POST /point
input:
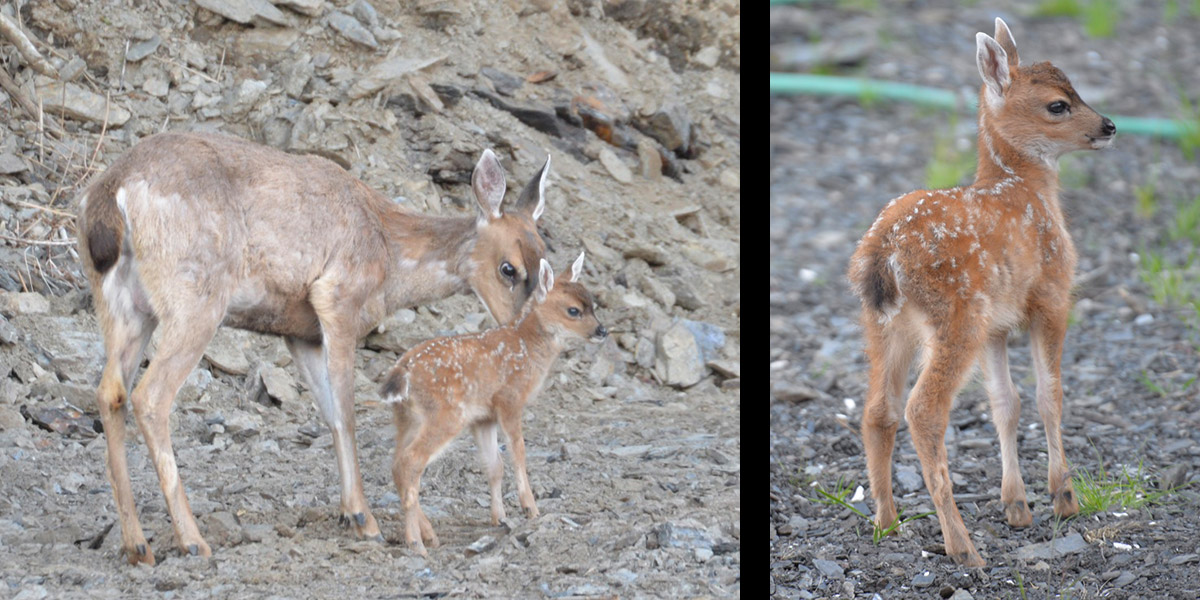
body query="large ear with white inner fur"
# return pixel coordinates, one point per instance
(545, 281)
(1005, 39)
(577, 268)
(487, 181)
(532, 200)
(992, 61)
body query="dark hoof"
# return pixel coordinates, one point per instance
(378, 538)
(193, 549)
(343, 520)
(141, 549)
(360, 518)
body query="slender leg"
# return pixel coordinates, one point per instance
(1006, 413)
(511, 422)
(182, 344)
(434, 433)
(955, 347)
(489, 456)
(328, 369)
(1047, 335)
(125, 338)
(891, 356)
(407, 427)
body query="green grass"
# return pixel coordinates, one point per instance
(1147, 198)
(837, 497)
(1166, 283)
(949, 166)
(1099, 17)
(1186, 225)
(1163, 390)
(1124, 491)
(1190, 140)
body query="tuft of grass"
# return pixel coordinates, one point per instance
(1127, 490)
(1187, 222)
(837, 497)
(1099, 17)
(1058, 8)
(1166, 283)
(1163, 390)
(1147, 198)
(1190, 140)
(949, 166)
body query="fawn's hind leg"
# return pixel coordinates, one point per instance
(489, 456)
(891, 354)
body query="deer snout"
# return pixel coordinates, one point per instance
(600, 333)
(1108, 126)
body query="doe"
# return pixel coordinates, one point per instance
(189, 231)
(444, 384)
(952, 272)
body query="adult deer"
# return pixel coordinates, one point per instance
(189, 231)
(954, 271)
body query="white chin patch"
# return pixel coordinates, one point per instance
(1102, 143)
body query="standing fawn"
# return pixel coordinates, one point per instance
(186, 232)
(952, 272)
(445, 384)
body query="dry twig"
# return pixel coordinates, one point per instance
(12, 31)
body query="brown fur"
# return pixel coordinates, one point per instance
(445, 384)
(216, 230)
(951, 272)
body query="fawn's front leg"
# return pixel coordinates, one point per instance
(1046, 335)
(1006, 413)
(511, 422)
(489, 456)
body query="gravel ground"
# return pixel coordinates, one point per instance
(1128, 361)
(633, 445)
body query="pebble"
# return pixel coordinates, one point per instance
(1053, 549)
(923, 579)
(828, 568)
(244, 11)
(678, 358)
(615, 166)
(23, 303)
(312, 8)
(649, 160)
(671, 126)
(78, 103)
(141, 50)
(481, 545)
(961, 594)
(352, 29)
(707, 57)
(11, 163)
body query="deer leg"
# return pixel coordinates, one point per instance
(489, 456)
(1046, 335)
(125, 337)
(406, 430)
(432, 436)
(928, 414)
(328, 368)
(1006, 413)
(179, 350)
(891, 356)
(511, 422)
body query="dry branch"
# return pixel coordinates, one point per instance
(12, 31)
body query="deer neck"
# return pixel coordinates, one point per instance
(541, 341)
(430, 257)
(999, 161)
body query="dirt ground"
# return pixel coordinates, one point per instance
(634, 447)
(1130, 359)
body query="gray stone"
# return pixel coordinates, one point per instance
(312, 8)
(676, 535)
(257, 532)
(505, 83)
(278, 384)
(961, 594)
(1184, 559)
(828, 568)
(707, 57)
(542, 118)
(710, 337)
(143, 49)
(389, 334)
(686, 295)
(615, 166)
(267, 42)
(658, 291)
(352, 29)
(908, 479)
(156, 86)
(245, 95)
(226, 352)
(1053, 549)
(11, 163)
(365, 13)
(678, 359)
(1124, 579)
(649, 159)
(8, 333)
(78, 103)
(223, 529)
(731, 369)
(389, 71)
(481, 545)
(23, 303)
(671, 126)
(923, 579)
(244, 11)
(242, 425)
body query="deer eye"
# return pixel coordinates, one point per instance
(1058, 107)
(508, 270)
(574, 312)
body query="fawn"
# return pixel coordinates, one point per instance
(954, 271)
(189, 231)
(444, 384)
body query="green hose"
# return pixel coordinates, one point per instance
(826, 85)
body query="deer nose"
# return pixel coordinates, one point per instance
(1109, 127)
(601, 331)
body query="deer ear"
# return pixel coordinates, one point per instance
(992, 61)
(487, 181)
(577, 268)
(545, 281)
(1005, 39)
(533, 198)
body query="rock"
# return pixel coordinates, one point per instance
(23, 303)
(223, 529)
(730, 369)
(649, 160)
(829, 568)
(615, 166)
(388, 71)
(387, 335)
(961, 594)
(1184, 559)
(78, 103)
(73, 69)
(244, 11)
(65, 420)
(242, 425)
(657, 291)
(10, 418)
(675, 535)
(730, 179)
(686, 295)
(644, 354)
(225, 352)
(244, 96)
(1173, 477)
(195, 384)
(11, 163)
(365, 13)
(710, 337)
(351, 29)
(505, 83)
(8, 333)
(907, 479)
(480, 545)
(275, 384)
(1124, 579)
(650, 252)
(143, 49)
(257, 532)
(672, 127)
(923, 579)
(156, 86)
(312, 8)
(1053, 549)
(707, 57)
(265, 42)
(541, 118)
(678, 361)
(712, 254)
